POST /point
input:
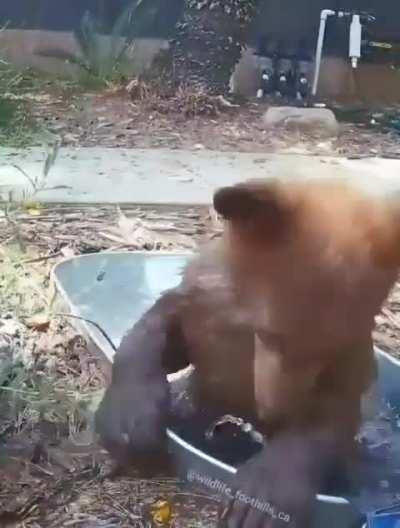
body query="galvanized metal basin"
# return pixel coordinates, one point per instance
(114, 290)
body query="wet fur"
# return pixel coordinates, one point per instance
(304, 267)
(310, 287)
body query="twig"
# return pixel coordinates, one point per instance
(40, 259)
(103, 332)
(31, 181)
(36, 466)
(19, 391)
(118, 240)
(118, 507)
(7, 240)
(116, 248)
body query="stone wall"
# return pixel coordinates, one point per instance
(23, 48)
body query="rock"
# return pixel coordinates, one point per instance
(5, 350)
(319, 121)
(10, 327)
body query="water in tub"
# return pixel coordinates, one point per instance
(380, 472)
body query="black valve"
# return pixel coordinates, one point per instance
(302, 83)
(267, 78)
(303, 70)
(285, 77)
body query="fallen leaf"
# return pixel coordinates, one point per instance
(9, 327)
(32, 208)
(39, 322)
(67, 252)
(162, 513)
(135, 232)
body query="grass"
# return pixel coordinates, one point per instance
(8, 111)
(101, 63)
(42, 379)
(32, 396)
(17, 127)
(18, 88)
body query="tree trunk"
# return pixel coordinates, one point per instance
(209, 41)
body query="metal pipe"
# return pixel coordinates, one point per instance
(355, 40)
(325, 13)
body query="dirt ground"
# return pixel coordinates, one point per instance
(52, 472)
(113, 119)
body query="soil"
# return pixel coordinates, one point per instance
(52, 471)
(112, 119)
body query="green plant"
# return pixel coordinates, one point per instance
(8, 111)
(104, 60)
(37, 183)
(17, 128)
(43, 374)
(31, 395)
(8, 108)
(12, 204)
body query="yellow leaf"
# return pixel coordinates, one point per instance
(32, 208)
(162, 513)
(34, 212)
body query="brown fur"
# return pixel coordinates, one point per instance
(302, 270)
(308, 274)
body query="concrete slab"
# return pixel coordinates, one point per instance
(162, 176)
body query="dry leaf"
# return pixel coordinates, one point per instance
(32, 208)
(127, 226)
(135, 232)
(67, 252)
(39, 322)
(34, 212)
(9, 327)
(162, 513)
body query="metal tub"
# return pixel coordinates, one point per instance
(114, 290)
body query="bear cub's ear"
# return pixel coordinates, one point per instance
(262, 203)
(237, 202)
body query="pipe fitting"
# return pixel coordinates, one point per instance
(325, 13)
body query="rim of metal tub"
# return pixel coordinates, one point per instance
(88, 329)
